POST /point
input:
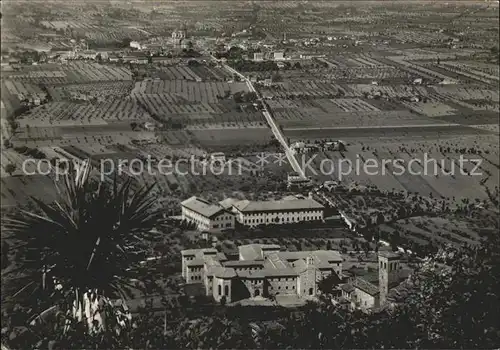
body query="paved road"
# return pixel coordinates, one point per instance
(272, 123)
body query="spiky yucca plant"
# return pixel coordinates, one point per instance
(83, 250)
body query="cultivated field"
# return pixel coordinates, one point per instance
(69, 113)
(209, 92)
(341, 113)
(70, 73)
(91, 91)
(435, 171)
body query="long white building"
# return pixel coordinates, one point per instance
(223, 215)
(286, 211)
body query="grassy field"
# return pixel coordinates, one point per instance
(442, 177)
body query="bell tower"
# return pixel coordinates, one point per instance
(388, 273)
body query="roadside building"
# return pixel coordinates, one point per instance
(136, 57)
(258, 56)
(302, 147)
(278, 55)
(114, 57)
(296, 180)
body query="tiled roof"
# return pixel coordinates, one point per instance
(320, 256)
(198, 251)
(347, 287)
(254, 251)
(259, 274)
(202, 206)
(221, 257)
(389, 255)
(280, 272)
(274, 261)
(299, 265)
(212, 263)
(365, 286)
(250, 252)
(196, 262)
(297, 204)
(225, 272)
(231, 263)
(228, 202)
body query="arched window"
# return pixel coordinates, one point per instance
(226, 290)
(311, 291)
(257, 293)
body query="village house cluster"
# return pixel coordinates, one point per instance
(223, 215)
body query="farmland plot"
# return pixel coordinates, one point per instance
(191, 91)
(79, 72)
(180, 137)
(303, 88)
(207, 73)
(71, 73)
(378, 175)
(67, 113)
(431, 109)
(227, 137)
(411, 176)
(441, 172)
(179, 72)
(393, 91)
(40, 77)
(461, 92)
(315, 117)
(363, 73)
(161, 151)
(349, 167)
(88, 91)
(354, 105)
(22, 90)
(334, 166)
(173, 108)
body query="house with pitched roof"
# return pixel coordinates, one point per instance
(206, 216)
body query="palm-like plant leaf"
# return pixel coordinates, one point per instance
(91, 238)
